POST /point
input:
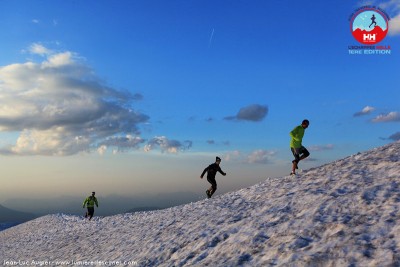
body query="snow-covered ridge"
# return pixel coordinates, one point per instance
(345, 213)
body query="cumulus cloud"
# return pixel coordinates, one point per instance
(232, 155)
(167, 145)
(321, 147)
(395, 136)
(389, 117)
(393, 8)
(102, 149)
(39, 49)
(260, 156)
(365, 111)
(394, 5)
(394, 25)
(253, 113)
(121, 143)
(60, 107)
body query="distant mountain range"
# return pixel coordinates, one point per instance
(12, 216)
(108, 205)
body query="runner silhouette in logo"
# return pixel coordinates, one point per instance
(373, 21)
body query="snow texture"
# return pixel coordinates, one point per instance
(345, 213)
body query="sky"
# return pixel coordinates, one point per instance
(136, 98)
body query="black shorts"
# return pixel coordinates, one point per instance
(213, 182)
(298, 152)
(90, 211)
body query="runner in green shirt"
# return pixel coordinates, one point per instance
(298, 150)
(89, 202)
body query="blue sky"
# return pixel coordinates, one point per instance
(138, 97)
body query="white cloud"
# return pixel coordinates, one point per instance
(39, 49)
(123, 143)
(394, 25)
(389, 117)
(102, 149)
(233, 155)
(167, 145)
(321, 147)
(391, 5)
(393, 8)
(364, 111)
(60, 107)
(59, 60)
(260, 156)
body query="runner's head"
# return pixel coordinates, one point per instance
(217, 160)
(305, 124)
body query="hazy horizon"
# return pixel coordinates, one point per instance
(108, 205)
(114, 203)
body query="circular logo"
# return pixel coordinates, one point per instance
(369, 26)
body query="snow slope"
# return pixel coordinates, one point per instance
(345, 213)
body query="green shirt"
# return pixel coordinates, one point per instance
(90, 201)
(297, 136)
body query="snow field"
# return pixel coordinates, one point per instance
(345, 213)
